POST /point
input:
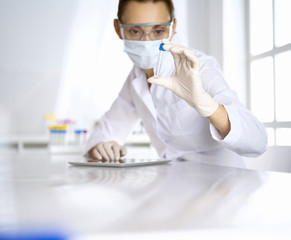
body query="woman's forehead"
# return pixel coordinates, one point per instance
(137, 13)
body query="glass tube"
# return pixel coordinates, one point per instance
(159, 62)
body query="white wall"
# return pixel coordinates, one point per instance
(235, 46)
(96, 66)
(34, 36)
(205, 27)
(57, 57)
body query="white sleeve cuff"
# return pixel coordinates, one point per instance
(235, 132)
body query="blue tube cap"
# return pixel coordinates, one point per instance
(161, 47)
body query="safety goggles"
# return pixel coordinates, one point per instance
(137, 32)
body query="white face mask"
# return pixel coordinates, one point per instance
(144, 54)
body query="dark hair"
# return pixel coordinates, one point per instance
(123, 3)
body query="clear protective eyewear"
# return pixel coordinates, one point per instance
(137, 32)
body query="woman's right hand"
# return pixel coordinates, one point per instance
(107, 151)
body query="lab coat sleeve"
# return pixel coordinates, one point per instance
(117, 123)
(247, 136)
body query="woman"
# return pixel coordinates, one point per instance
(188, 109)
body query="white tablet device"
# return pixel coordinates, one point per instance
(124, 162)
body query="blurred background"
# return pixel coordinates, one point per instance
(63, 58)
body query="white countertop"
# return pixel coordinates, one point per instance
(183, 197)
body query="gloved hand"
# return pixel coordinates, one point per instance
(107, 151)
(186, 82)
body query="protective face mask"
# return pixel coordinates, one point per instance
(144, 54)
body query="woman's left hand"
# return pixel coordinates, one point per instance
(186, 82)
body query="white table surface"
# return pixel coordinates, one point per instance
(173, 201)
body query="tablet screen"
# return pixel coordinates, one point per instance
(124, 162)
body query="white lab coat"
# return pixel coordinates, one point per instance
(177, 130)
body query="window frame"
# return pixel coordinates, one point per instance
(271, 53)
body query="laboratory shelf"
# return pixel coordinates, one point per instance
(24, 141)
(35, 142)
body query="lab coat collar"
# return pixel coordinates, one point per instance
(140, 85)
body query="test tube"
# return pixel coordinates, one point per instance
(78, 137)
(159, 62)
(84, 136)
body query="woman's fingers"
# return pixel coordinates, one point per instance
(183, 57)
(173, 49)
(97, 154)
(123, 151)
(191, 58)
(180, 52)
(107, 151)
(94, 154)
(116, 152)
(166, 41)
(102, 151)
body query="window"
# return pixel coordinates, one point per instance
(270, 67)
